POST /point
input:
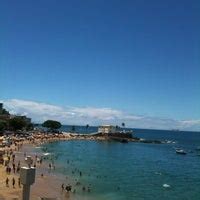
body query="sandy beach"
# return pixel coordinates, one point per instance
(47, 185)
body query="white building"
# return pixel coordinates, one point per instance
(107, 129)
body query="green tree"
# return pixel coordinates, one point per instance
(29, 127)
(17, 123)
(5, 112)
(52, 125)
(3, 125)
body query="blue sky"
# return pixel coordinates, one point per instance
(137, 57)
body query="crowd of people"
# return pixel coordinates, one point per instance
(13, 163)
(11, 166)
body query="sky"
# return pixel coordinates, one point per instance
(98, 61)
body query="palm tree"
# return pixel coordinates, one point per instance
(87, 126)
(73, 129)
(123, 125)
(117, 128)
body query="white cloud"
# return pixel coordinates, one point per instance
(93, 116)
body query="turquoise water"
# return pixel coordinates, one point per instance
(132, 171)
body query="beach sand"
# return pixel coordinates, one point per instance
(47, 186)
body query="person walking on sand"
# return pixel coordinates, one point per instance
(14, 169)
(13, 182)
(19, 183)
(9, 170)
(18, 169)
(7, 182)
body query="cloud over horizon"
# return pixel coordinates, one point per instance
(40, 112)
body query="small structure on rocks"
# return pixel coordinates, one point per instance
(106, 129)
(113, 132)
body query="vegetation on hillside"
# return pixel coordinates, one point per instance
(52, 125)
(18, 123)
(3, 125)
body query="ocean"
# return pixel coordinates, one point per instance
(131, 171)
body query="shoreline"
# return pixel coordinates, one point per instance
(67, 136)
(48, 185)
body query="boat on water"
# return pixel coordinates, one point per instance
(180, 151)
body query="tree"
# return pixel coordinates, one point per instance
(123, 124)
(17, 123)
(87, 126)
(29, 127)
(3, 125)
(117, 128)
(5, 112)
(73, 128)
(52, 125)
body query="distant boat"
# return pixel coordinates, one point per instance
(180, 151)
(169, 141)
(166, 185)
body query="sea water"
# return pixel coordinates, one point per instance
(135, 171)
